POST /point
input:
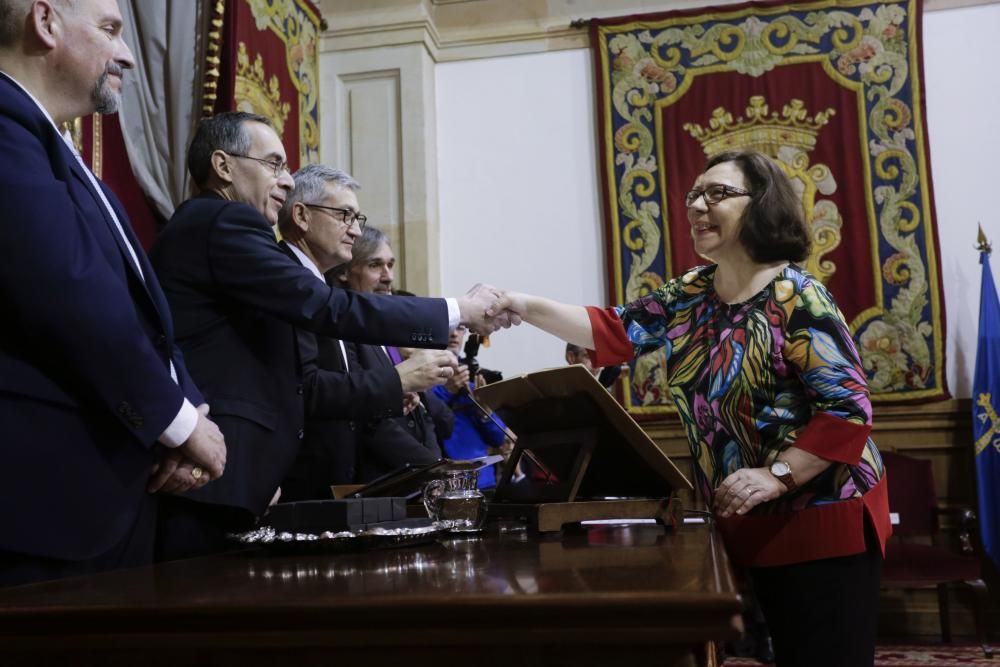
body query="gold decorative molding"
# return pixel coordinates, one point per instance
(453, 30)
(213, 58)
(75, 130)
(97, 146)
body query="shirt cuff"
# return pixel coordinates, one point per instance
(833, 438)
(611, 342)
(181, 427)
(454, 313)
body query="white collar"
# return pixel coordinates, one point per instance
(306, 262)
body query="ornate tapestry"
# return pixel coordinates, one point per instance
(833, 92)
(264, 58)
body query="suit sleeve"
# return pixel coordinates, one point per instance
(60, 287)
(441, 415)
(360, 394)
(248, 264)
(391, 444)
(185, 380)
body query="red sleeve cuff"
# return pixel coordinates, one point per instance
(834, 439)
(611, 343)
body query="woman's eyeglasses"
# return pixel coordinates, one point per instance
(713, 194)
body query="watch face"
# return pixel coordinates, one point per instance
(779, 468)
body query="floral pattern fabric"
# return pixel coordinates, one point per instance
(748, 378)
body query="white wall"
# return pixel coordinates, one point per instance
(518, 185)
(963, 103)
(518, 199)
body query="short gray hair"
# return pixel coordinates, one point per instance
(310, 186)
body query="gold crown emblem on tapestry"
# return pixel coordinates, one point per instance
(257, 93)
(760, 130)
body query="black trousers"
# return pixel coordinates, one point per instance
(823, 613)
(134, 549)
(188, 529)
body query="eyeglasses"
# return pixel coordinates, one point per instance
(277, 167)
(713, 194)
(346, 217)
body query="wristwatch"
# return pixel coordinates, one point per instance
(783, 472)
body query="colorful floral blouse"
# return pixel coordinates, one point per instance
(751, 379)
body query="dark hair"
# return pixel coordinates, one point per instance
(773, 227)
(222, 132)
(574, 349)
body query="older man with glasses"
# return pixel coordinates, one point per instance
(319, 225)
(237, 300)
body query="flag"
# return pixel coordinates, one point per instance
(985, 422)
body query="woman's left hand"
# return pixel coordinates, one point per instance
(745, 489)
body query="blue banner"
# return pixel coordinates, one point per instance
(985, 423)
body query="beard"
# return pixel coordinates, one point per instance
(105, 98)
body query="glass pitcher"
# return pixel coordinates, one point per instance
(455, 500)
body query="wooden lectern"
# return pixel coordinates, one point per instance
(584, 458)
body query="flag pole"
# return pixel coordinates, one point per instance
(983, 245)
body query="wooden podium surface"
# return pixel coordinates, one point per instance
(634, 595)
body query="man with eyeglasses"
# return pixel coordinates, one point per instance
(92, 388)
(319, 225)
(237, 299)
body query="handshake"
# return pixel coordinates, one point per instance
(485, 309)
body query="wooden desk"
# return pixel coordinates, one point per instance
(605, 596)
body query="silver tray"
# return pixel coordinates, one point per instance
(329, 542)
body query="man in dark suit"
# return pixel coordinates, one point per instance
(342, 393)
(393, 441)
(237, 298)
(91, 384)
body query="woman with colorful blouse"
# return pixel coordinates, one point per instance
(768, 384)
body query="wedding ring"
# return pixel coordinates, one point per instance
(197, 472)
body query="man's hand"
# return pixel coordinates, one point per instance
(199, 460)
(459, 381)
(484, 309)
(206, 446)
(425, 369)
(411, 400)
(176, 474)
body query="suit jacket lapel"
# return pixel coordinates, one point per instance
(78, 172)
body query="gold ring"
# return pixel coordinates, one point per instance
(197, 472)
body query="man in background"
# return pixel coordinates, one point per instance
(390, 442)
(92, 388)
